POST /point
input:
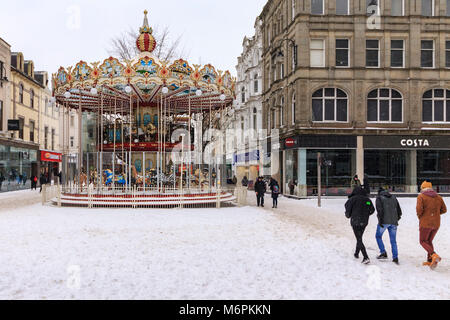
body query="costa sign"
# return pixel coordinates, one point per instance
(415, 143)
(47, 156)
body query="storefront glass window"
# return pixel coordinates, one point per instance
(434, 166)
(385, 168)
(17, 165)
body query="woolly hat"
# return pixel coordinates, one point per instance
(426, 185)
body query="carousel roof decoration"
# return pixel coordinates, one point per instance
(147, 75)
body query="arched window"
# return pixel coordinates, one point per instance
(330, 105)
(21, 93)
(282, 111)
(243, 94)
(293, 107)
(255, 119)
(384, 105)
(436, 106)
(32, 98)
(255, 83)
(242, 123)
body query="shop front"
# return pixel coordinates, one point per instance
(402, 163)
(300, 156)
(247, 164)
(18, 163)
(50, 165)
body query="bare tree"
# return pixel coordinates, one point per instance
(124, 45)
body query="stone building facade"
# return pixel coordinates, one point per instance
(362, 82)
(248, 112)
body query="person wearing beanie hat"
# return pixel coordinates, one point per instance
(430, 207)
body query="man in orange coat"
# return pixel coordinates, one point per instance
(430, 207)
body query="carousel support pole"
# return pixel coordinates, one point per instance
(143, 170)
(131, 139)
(209, 139)
(114, 148)
(100, 173)
(181, 173)
(80, 143)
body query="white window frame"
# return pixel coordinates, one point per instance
(403, 9)
(348, 53)
(379, 54)
(433, 99)
(348, 9)
(403, 54)
(335, 98)
(390, 105)
(293, 107)
(433, 13)
(323, 9)
(434, 53)
(323, 52)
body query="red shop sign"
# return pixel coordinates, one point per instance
(290, 142)
(47, 156)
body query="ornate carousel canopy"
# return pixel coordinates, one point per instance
(145, 79)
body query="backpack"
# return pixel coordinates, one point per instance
(35, 179)
(276, 189)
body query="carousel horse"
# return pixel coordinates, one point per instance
(83, 180)
(119, 179)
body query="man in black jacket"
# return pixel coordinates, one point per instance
(260, 189)
(358, 208)
(389, 213)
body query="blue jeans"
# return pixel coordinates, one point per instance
(392, 236)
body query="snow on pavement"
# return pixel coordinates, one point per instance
(294, 252)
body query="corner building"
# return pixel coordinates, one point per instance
(364, 82)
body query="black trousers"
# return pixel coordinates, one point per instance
(260, 199)
(359, 232)
(275, 201)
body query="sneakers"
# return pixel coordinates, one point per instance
(426, 264)
(396, 261)
(366, 261)
(435, 260)
(382, 256)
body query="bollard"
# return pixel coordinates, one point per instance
(58, 195)
(44, 191)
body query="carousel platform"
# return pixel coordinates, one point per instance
(166, 200)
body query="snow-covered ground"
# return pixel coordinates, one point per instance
(294, 252)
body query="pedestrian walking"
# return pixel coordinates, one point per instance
(260, 189)
(275, 188)
(2, 178)
(244, 181)
(430, 207)
(389, 213)
(358, 209)
(42, 181)
(355, 182)
(292, 184)
(34, 180)
(366, 184)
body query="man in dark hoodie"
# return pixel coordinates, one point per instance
(260, 189)
(358, 208)
(430, 207)
(389, 213)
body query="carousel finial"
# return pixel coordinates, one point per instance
(146, 42)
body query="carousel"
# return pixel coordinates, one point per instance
(144, 129)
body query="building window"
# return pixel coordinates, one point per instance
(397, 7)
(293, 9)
(282, 112)
(21, 125)
(342, 53)
(32, 98)
(397, 53)
(436, 106)
(427, 54)
(21, 93)
(242, 124)
(293, 107)
(1, 115)
(53, 139)
(448, 8)
(372, 53)
(243, 94)
(32, 128)
(46, 138)
(294, 57)
(447, 54)
(255, 119)
(342, 7)
(72, 139)
(316, 6)
(329, 105)
(256, 83)
(72, 120)
(282, 71)
(428, 8)
(373, 7)
(385, 105)
(317, 53)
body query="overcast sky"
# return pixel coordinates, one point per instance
(56, 33)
